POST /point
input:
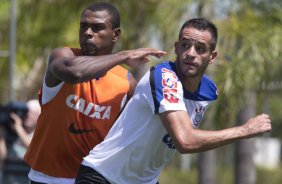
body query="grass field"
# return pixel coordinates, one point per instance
(172, 175)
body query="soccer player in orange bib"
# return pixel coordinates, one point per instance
(83, 93)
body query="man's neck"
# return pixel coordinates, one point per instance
(190, 84)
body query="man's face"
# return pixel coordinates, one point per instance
(96, 36)
(193, 52)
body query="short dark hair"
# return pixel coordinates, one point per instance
(202, 24)
(104, 6)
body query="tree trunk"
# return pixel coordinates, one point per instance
(141, 69)
(33, 81)
(244, 164)
(206, 160)
(207, 167)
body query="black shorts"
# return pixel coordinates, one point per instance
(34, 182)
(87, 175)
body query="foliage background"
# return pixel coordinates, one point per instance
(250, 37)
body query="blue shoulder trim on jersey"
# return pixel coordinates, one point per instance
(156, 80)
(207, 91)
(153, 89)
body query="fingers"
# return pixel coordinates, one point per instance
(265, 117)
(151, 52)
(145, 59)
(149, 55)
(265, 122)
(159, 54)
(259, 124)
(16, 118)
(142, 56)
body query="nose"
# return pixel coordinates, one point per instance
(89, 32)
(191, 51)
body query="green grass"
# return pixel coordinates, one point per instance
(173, 175)
(267, 176)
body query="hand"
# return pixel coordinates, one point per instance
(141, 56)
(19, 129)
(18, 123)
(257, 125)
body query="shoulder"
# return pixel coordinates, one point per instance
(161, 70)
(64, 52)
(209, 87)
(75, 51)
(163, 79)
(163, 73)
(120, 71)
(164, 66)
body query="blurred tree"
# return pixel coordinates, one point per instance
(250, 48)
(249, 43)
(4, 48)
(206, 160)
(150, 22)
(44, 25)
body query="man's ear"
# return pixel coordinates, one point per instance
(213, 56)
(116, 34)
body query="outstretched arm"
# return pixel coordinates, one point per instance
(19, 129)
(3, 146)
(64, 66)
(190, 140)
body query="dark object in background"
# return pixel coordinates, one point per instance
(19, 108)
(15, 170)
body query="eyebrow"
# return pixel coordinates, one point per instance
(88, 23)
(193, 40)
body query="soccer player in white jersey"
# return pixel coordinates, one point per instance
(163, 114)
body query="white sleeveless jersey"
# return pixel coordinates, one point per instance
(138, 146)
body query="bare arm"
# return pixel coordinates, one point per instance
(3, 146)
(21, 132)
(64, 66)
(190, 140)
